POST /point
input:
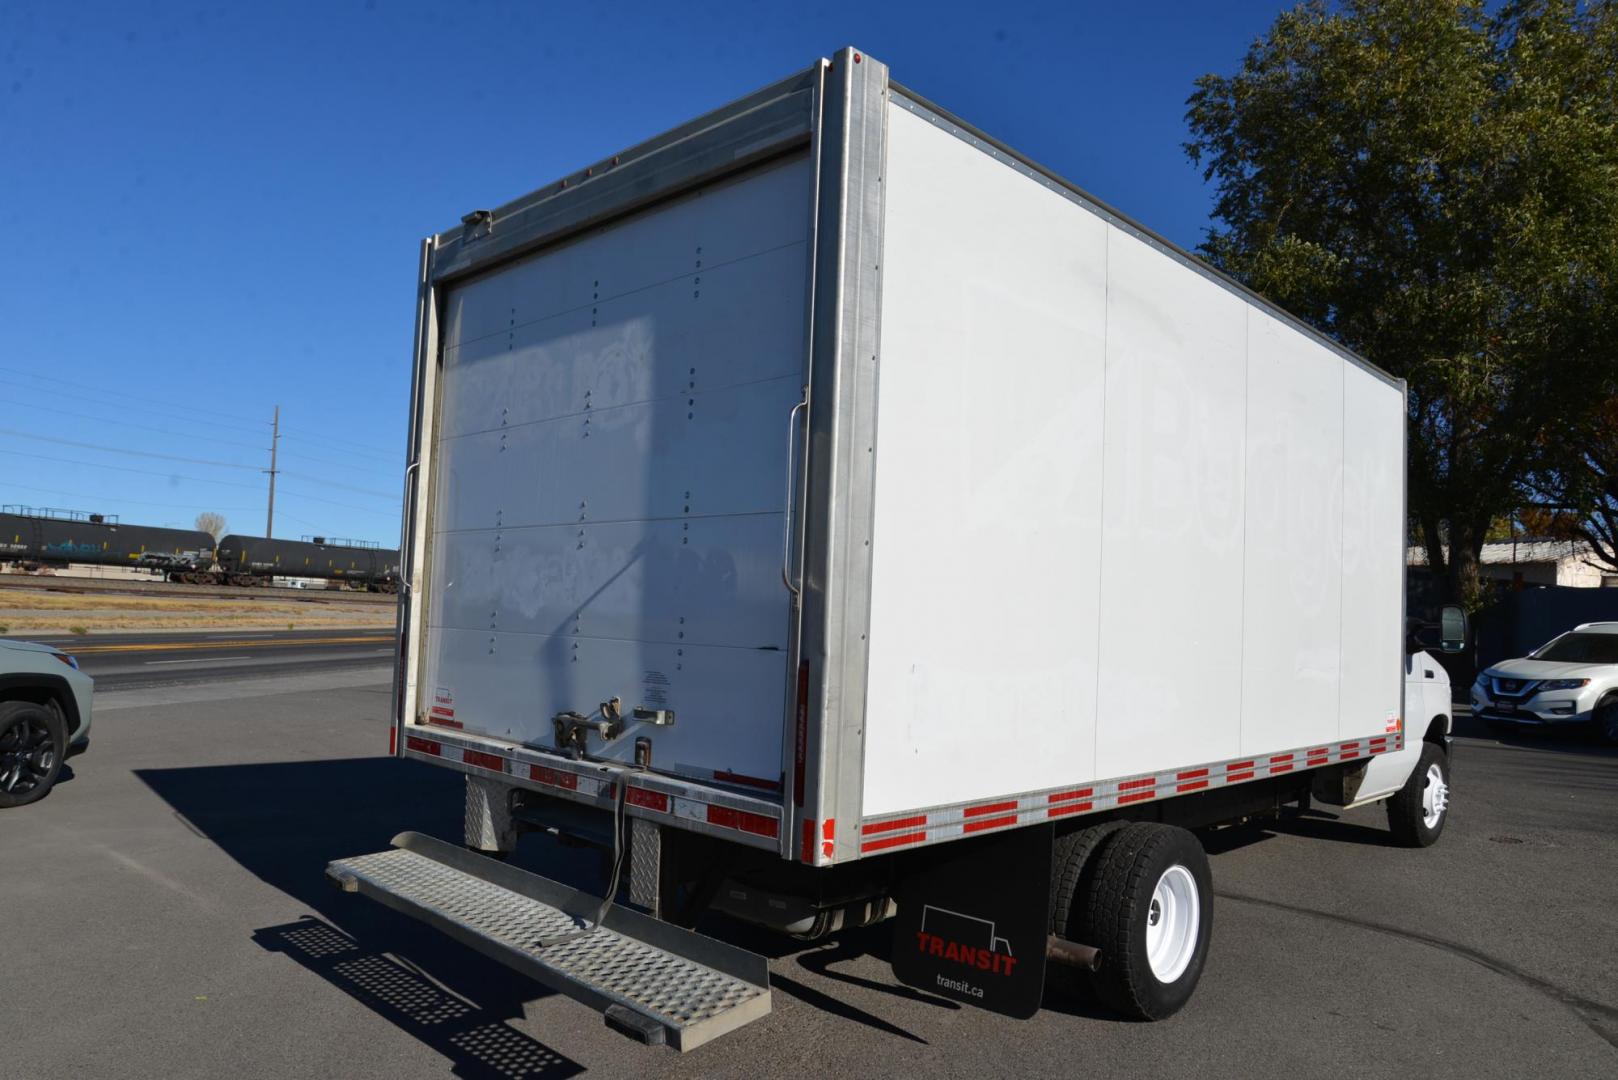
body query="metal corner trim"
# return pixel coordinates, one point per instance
(842, 437)
(409, 623)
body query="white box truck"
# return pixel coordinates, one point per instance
(838, 517)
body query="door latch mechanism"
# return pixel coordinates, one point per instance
(573, 728)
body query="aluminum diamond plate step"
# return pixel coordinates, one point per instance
(653, 980)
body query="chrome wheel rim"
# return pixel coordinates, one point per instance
(1172, 924)
(1434, 796)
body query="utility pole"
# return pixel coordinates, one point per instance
(275, 437)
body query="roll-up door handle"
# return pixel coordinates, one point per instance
(407, 531)
(792, 501)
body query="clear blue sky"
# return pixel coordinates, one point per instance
(212, 210)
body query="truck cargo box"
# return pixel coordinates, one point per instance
(840, 482)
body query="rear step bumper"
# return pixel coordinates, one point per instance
(653, 981)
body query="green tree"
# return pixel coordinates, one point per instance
(1578, 500)
(1436, 186)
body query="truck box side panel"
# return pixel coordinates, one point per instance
(1171, 595)
(1293, 591)
(1372, 697)
(610, 479)
(1128, 520)
(986, 550)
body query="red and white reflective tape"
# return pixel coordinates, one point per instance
(914, 827)
(561, 780)
(443, 717)
(415, 744)
(754, 821)
(823, 838)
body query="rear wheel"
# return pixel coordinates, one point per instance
(1150, 910)
(33, 741)
(1072, 875)
(1416, 815)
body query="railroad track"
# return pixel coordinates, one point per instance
(113, 587)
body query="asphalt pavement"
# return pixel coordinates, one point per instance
(125, 661)
(165, 914)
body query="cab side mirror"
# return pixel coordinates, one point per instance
(1452, 629)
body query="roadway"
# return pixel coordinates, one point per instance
(166, 915)
(92, 586)
(131, 661)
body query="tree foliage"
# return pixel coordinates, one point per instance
(211, 523)
(1436, 186)
(1578, 500)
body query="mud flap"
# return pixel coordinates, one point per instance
(973, 921)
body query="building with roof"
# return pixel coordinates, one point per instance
(1534, 561)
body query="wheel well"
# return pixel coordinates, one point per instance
(1437, 729)
(51, 694)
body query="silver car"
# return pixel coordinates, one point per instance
(1572, 681)
(44, 718)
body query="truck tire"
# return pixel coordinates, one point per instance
(1150, 909)
(1416, 815)
(1072, 876)
(33, 743)
(1071, 858)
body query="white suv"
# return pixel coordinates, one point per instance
(1572, 680)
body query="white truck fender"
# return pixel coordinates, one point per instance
(1427, 698)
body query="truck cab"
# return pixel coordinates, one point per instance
(1428, 707)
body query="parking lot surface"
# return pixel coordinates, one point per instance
(164, 913)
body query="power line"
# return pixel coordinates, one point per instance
(305, 522)
(93, 398)
(344, 443)
(179, 476)
(212, 440)
(335, 502)
(202, 461)
(356, 466)
(127, 469)
(251, 423)
(121, 499)
(342, 487)
(395, 499)
(122, 450)
(124, 423)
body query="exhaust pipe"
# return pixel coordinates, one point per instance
(1072, 954)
